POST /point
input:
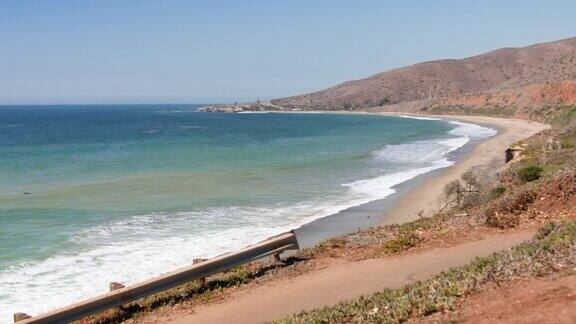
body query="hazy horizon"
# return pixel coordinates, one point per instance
(144, 52)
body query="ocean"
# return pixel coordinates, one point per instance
(95, 194)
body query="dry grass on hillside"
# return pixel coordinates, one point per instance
(492, 73)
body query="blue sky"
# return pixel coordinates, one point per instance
(142, 51)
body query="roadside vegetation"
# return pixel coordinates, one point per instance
(197, 291)
(551, 251)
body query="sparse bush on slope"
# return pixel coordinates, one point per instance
(530, 173)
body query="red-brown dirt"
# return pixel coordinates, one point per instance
(534, 300)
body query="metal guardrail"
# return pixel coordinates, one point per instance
(272, 246)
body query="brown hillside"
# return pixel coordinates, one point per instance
(526, 102)
(559, 69)
(498, 70)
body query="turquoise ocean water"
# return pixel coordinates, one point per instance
(94, 194)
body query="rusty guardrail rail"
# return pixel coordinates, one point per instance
(270, 247)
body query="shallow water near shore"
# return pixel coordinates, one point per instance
(372, 213)
(94, 194)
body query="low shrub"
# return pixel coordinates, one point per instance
(497, 192)
(466, 192)
(529, 173)
(401, 243)
(568, 142)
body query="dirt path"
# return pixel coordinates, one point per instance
(340, 281)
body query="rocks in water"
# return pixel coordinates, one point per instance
(238, 108)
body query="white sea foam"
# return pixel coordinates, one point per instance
(382, 187)
(191, 126)
(420, 152)
(143, 246)
(425, 156)
(471, 130)
(418, 117)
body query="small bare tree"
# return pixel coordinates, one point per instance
(464, 192)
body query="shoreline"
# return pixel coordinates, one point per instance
(487, 155)
(419, 196)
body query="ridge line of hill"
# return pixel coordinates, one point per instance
(534, 82)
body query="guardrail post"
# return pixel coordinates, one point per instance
(198, 260)
(116, 285)
(277, 257)
(20, 317)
